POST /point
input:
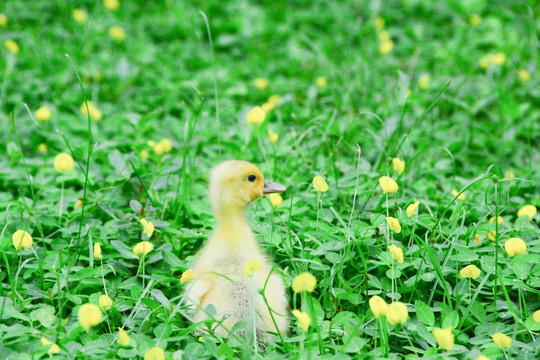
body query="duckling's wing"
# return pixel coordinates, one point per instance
(198, 289)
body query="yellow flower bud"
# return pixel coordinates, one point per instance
(386, 46)
(123, 337)
(155, 353)
(460, 196)
(144, 154)
(482, 357)
(251, 267)
(411, 209)
(12, 46)
(187, 276)
(63, 163)
(261, 83)
(491, 235)
(97, 251)
(275, 199)
(3, 20)
(117, 33)
(536, 316)
(477, 238)
(384, 35)
(320, 184)
(475, 19)
(399, 165)
(394, 224)
(272, 136)
(500, 220)
(95, 113)
(514, 246)
(256, 116)
(524, 75)
(148, 227)
(111, 4)
(397, 253)
(304, 320)
(378, 306)
(444, 338)
(89, 315)
(501, 340)
(43, 114)
(527, 210)
(304, 282)
(423, 82)
(143, 248)
(105, 302)
(498, 59)
(54, 349)
(397, 312)
(42, 148)
(379, 23)
(321, 82)
(470, 271)
(21, 240)
(388, 185)
(80, 16)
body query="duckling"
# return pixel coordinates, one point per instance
(218, 271)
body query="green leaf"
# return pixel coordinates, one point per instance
(424, 313)
(450, 320)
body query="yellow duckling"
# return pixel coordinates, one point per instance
(218, 272)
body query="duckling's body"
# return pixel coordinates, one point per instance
(218, 273)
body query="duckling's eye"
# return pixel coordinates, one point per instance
(252, 178)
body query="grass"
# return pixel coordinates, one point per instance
(186, 72)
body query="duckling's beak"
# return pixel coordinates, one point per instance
(271, 187)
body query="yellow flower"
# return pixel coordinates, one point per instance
(394, 224)
(482, 357)
(97, 251)
(261, 83)
(384, 35)
(386, 46)
(321, 82)
(144, 154)
(500, 220)
(272, 136)
(43, 114)
(378, 306)
(79, 204)
(455, 193)
(12, 46)
(187, 276)
(423, 82)
(54, 349)
(105, 302)
(42, 148)
(143, 248)
(267, 107)
(303, 319)
(80, 16)
(3, 20)
(485, 61)
(117, 33)
(304, 282)
(111, 4)
(379, 23)
(501, 340)
(509, 174)
(514, 246)
(411, 209)
(475, 19)
(397, 253)
(470, 271)
(536, 316)
(123, 337)
(444, 338)
(151, 143)
(275, 199)
(251, 267)
(148, 227)
(498, 59)
(491, 235)
(63, 163)
(95, 113)
(399, 165)
(256, 116)
(397, 312)
(163, 146)
(89, 315)
(388, 185)
(524, 75)
(477, 238)
(320, 184)
(155, 353)
(21, 240)
(274, 99)
(527, 210)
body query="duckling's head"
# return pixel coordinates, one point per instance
(234, 184)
